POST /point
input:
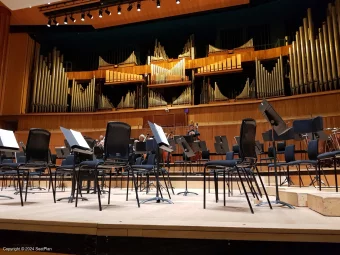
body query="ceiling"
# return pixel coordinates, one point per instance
(21, 4)
(169, 8)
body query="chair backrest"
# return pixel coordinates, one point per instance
(151, 159)
(37, 146)
(281, 146)
(229, 155)
(313, 149)
(69, 160)
(247, 139)
(90, 141)
(270, 152)
(206, 155)
(290, 153)
(117, 140)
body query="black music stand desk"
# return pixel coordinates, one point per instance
(78, 145)
(8, 143)
(162, 143)
(280, 128)
(188, 152)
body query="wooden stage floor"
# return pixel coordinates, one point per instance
(186, 218)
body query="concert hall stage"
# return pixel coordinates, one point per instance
(182, 223)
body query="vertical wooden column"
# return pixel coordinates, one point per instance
(5, 15)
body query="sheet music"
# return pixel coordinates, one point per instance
(80, 139)
(159, 134)
(8, 140)
(74, 138)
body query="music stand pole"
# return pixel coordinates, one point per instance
(157, 198)
(277, 199)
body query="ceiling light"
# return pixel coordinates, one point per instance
(108, 12)
(119, 10)
(56, 22)
(130, 7)
(100, 13)
(138, 6)
(83, 17)
(65, 20)
(90, 16)
(48, 3)
(73, 19)
(49, 22)
(158, 4)
(178, 1)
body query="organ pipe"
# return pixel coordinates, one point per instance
(321, 53)
(82, 99)
(50, 84)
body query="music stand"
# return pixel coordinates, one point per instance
(280, 128)
(8, 143)
(161, 143)
(188, 154)
(76, 142)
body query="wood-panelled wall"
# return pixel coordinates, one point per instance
(19, 65)
(247, 56)
(214, 120)
(5, 16)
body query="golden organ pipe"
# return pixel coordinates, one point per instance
(303, 58)
(291, 73)
(323, 60)
(41, 83)
(308, 52)
(44, 96)
(318, 58)
(58, 82)
(53, 85)
(299, 62)
(336, 41)
(337, 11)
(36, 70)
(312, 44)
(326, 49)
(281, 76)
(331, 50)
(72, 96)
(257, 77)
(296, 81)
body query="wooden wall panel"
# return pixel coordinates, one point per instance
(5, 16)
(19, 64)
(221, 119)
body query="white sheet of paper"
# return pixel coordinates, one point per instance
(161, 134)
(8, 139)
(80, 139)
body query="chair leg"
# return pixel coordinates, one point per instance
(264, 189)
(98, 187)
(257, 185)
(27, 180)
(224, 187)
(53, 186)
(204, 191)
(335, 176)
(136, 188)
(319, 172)
(109, 196)
(166, 185)
(244, 189)
(288, 176)
(170, 184)
(20, 188)
(78, 186)
(216, 185)
(127, 185)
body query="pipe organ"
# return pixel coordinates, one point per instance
(83, 98)
(104, 103)
(113, 76)
(156, 99)
(211, 94)
(161, 75)
(247, 46)
(159, 53)
(235, 62)
(50, 83)
(130, 61)
(248, 91)
(314, 56)
(189, 49)
(269, 83)
(127, 101)
(184, 98)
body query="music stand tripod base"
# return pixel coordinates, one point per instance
(185, 193)
(158, 200)
(277, 202)
(70, 199)
(1, 196)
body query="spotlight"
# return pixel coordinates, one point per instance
(56, 22)
(108, 12)
(65, 20)
(138, 6)
(83, 17)
(73, 19)
(119, 10)
(158, 4)
(129, 8)
(49, 22)
(100, 13)
(178, 1)
(90, 16)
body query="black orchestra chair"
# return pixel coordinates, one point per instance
(248, 161)
(270, 158)
(37, 157)
(289, 157)
(334, 156)
(312, 152)
(116, 156)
